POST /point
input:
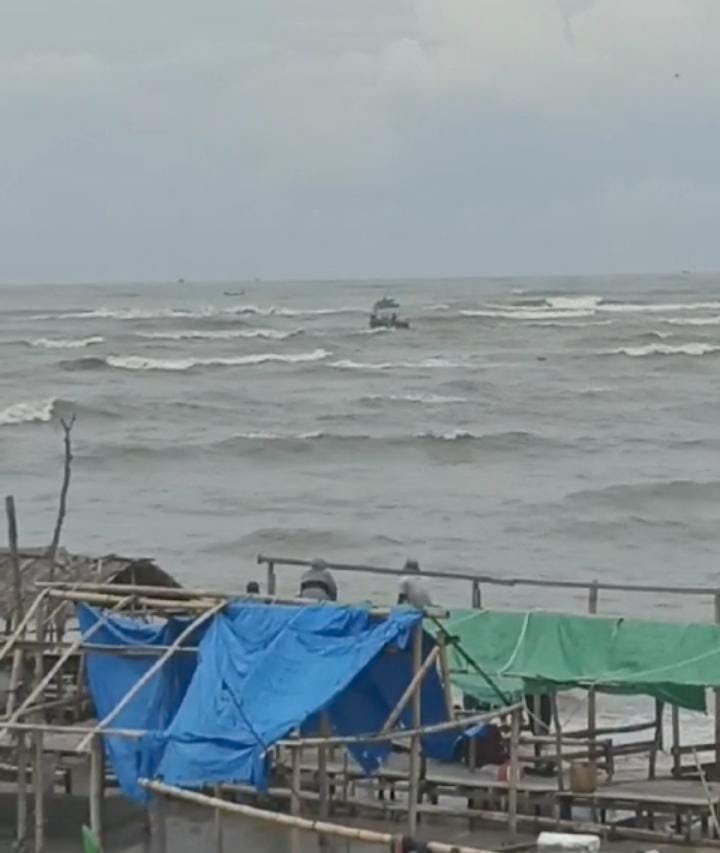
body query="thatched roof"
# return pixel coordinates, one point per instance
(35, 566)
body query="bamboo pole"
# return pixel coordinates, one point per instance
(218, 823)
(324, 781)
(296, 786)
(22, 625)
(592, 696)
(514, 773)
(445, 671)
(402, 734)
(476, 595)
(130, 734)
(67, 654)
(676, 755)
(137, 687)
(414, 781)
(97, 774)
(717, 700)
(271, 579)
(336, 830)
(558, 741)
(14, 555)
(22, 794)
(159, 825)
(411, 689)
(39, 791)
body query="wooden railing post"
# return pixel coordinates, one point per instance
(592, 699)
(271, 579)
(414, 786)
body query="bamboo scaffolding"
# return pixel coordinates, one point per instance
(415, 762)
(43, 683)
(150, 673)
(22, 625)
(320, 827)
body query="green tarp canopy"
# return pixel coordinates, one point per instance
(538, 652)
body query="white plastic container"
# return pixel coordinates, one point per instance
(561, 842)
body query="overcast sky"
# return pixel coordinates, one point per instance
(353, 138)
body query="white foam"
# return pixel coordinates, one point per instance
(658, 307)
(28, 412)
(694, 349)
(433, 362)
(69, 343)
(220, 334)
(574, 303)
(450, 435)
(425, 399)
(198, 313)
(136, 362)
(694, 321)
(527, 313)
(349, 364)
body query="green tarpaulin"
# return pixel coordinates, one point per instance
(532, 652)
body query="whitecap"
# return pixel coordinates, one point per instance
(66, 343)
(526, 313)
(693, 349)
(136, 362)
(694, 321)
(28, 412)
(574, 303)
(220, 334)
(424, 399)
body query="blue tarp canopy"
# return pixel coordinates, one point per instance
(260, 672)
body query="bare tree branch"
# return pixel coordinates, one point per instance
(62, 508)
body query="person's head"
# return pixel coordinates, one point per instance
(412, 591)
(252, 588)
(411, 566)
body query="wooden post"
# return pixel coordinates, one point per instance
(558, 741)
(295, 797)
(271, 579)
(514, 772)
(218, 822)
(97, 779)
(22, 797)
(677, 758)
(159, 824)
(39, 791)
(476, 595)
(658, 739)
(445, 674)
(323, 768)
(14, 556)
(717, 698)
(414, 781)
(592, 696)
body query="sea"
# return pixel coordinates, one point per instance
(542, 428)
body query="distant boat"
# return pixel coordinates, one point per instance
(385, 303)
(385, 321)
(234, 293)
(181, 281)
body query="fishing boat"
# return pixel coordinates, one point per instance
(383, 315)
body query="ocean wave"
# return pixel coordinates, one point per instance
(559, 324)
(31, 411)
(694, 321)
(220, 334)
(692, 349)
(527, 313)
(137, 362)
(657, 307)
(66, 343)
(424, 399)
(573, 303)
(196, 313)
(432, 362)
(631, 494)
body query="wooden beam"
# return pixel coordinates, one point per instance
(558, 741)
(22, 625)
(14, 556)
(514, 772)
(154, 669)
(97, 785)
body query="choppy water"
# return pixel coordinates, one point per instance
(550, 428)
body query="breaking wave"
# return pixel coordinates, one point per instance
(425, 399)
(66, 343)
(220, 334)
(137, 362)
(433, 362)
(694, 321)
(197, 313)
(32, 411)
(692, 349)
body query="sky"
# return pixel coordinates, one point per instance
(228, 139)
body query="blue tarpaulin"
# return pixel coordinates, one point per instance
(261, 671)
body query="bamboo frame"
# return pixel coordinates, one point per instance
(349, 833)
(150, 673)
(412, 688)
(415, 764)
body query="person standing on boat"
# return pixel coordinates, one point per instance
(318, 583)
